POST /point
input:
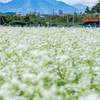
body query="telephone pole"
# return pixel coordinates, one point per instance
(73, 18)
(99, 19)
(67, 18)
(0, 18)
(2, 21)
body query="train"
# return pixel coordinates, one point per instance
(91, 22)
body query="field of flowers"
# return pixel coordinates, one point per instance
(49, 63)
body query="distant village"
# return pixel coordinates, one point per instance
(37, 14)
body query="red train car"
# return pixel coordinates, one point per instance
(91, 20)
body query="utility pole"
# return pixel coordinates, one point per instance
(35, 11)
(0, 18)
(67, 18)
(30, 18)
(73, 17)
(53, 12)
(51, 18)
(99, 19)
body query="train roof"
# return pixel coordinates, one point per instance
(91, 18)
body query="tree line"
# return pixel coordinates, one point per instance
(95, 9)
(54, 20)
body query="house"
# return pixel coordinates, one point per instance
(44, 16)
(18, 14)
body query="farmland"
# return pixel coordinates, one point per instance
(49, 63)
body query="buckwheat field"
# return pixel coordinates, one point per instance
(49, 63)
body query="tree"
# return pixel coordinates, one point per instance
(97, 7)
(87, 10)
(92, 10)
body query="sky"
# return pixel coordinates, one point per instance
(4, 1)
(71, 2)
(85, 2)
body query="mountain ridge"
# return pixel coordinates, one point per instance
(81, 7)
(42, 6)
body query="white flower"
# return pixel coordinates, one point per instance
(91, 96)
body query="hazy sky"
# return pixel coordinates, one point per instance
(4, 0)
(86, 2)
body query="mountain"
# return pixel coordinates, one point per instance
(41, 6)
(81, 7)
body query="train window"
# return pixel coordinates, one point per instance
(85, 19)
(93, 19)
